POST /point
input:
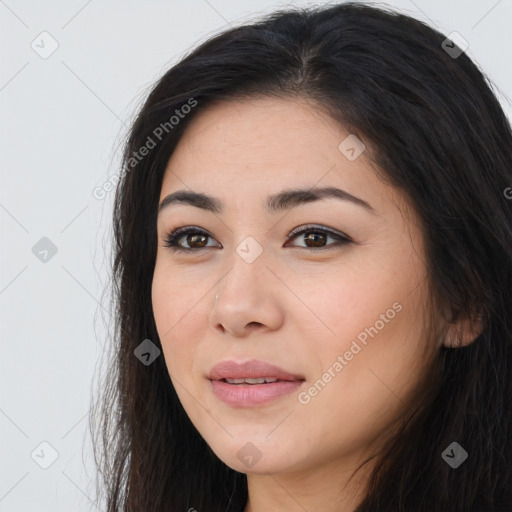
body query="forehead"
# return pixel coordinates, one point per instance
(244, 147)
(257, 131)
(261, 119)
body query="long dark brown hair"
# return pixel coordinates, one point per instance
(440, 136)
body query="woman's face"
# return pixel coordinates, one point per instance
(345, 320)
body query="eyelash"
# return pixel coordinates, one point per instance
(171, 240)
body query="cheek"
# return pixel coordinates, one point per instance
(162, 299)
(176, 315)
(376, 324)
(346, 307)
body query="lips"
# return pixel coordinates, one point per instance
(251, 384)
(253, 369)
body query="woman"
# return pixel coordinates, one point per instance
(313, 277)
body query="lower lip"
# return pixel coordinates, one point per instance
(251, 395)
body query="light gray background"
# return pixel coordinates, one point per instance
(62, 120)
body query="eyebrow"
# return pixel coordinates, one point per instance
(281, 201)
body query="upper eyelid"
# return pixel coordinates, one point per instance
(184, 230)
(311, 227)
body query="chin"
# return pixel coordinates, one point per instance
(255, 455)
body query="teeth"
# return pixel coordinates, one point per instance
(260, 380)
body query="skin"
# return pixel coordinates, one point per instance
(294, 308)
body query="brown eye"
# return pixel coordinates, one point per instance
(193, 238)
(316, 238)
(200, 240)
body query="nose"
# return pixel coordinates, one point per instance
(248, 298)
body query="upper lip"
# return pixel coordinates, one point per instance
(252, 369)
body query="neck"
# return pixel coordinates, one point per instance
(330, 488)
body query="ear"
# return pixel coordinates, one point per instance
(463, 332)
